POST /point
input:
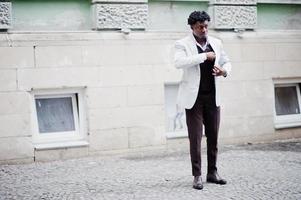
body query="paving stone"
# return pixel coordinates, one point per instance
(259, 171)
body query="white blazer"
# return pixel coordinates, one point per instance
(188, 59)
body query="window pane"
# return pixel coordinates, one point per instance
(286, 100)
(55, 114)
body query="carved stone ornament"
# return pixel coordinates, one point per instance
(228, 17)
(5, 15)
(118, 16)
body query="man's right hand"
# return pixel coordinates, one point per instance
(210, 55)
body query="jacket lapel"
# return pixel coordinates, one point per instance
(192, 45)
(211, 41)
(215, 49)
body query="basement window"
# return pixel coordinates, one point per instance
(287, 105)
(175, 123)
(58, 119)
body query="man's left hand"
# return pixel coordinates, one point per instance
(218, 71)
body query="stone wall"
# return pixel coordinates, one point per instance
(124, 77)
(123, 73)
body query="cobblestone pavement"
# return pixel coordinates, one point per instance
(259, 171)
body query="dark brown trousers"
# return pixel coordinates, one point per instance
(204, 112)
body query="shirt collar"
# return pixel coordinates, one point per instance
(199, 45)
(202, 47)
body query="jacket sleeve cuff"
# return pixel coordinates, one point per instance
(203, 56)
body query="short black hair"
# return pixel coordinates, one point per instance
(198, 16)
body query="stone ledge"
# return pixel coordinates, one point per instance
(60, 145)
(24, 39)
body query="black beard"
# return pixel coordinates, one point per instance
(202, 39)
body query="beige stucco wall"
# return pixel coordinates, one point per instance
(124, 77)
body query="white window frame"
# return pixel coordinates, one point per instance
(78, 137)
(178, 133)
(292, 120)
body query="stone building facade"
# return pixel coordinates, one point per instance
(81, 78)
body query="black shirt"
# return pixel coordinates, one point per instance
(207, 82)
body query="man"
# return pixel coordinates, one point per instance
(203, 62)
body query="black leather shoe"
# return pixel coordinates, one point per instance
(215, 178)
(197, 183)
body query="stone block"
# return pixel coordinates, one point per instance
(120, 76)
(106, 97)
(229, 17)
(261, 125)
(8, 80)
(13, 125)
(16, 57)
(120, 15)
(246, 126)
(160, 137)
(16, 148)
(60, 154)
(141, 53)
(57, 77)
(159, 73)
(104, 55)
(258, 52)
(58, 56)
(142, 76)
(236, 90)
(249, 106)
(112, 76)
(172, 75)
(109, 118)
(245, 71)
(15, 103)
(110, 139)
(153, 115)
(233, 51)
(284, 69)
(127, 53)
(289, 133)
(5, 15)
(140, 136)
(145, 95)
(288, 52)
